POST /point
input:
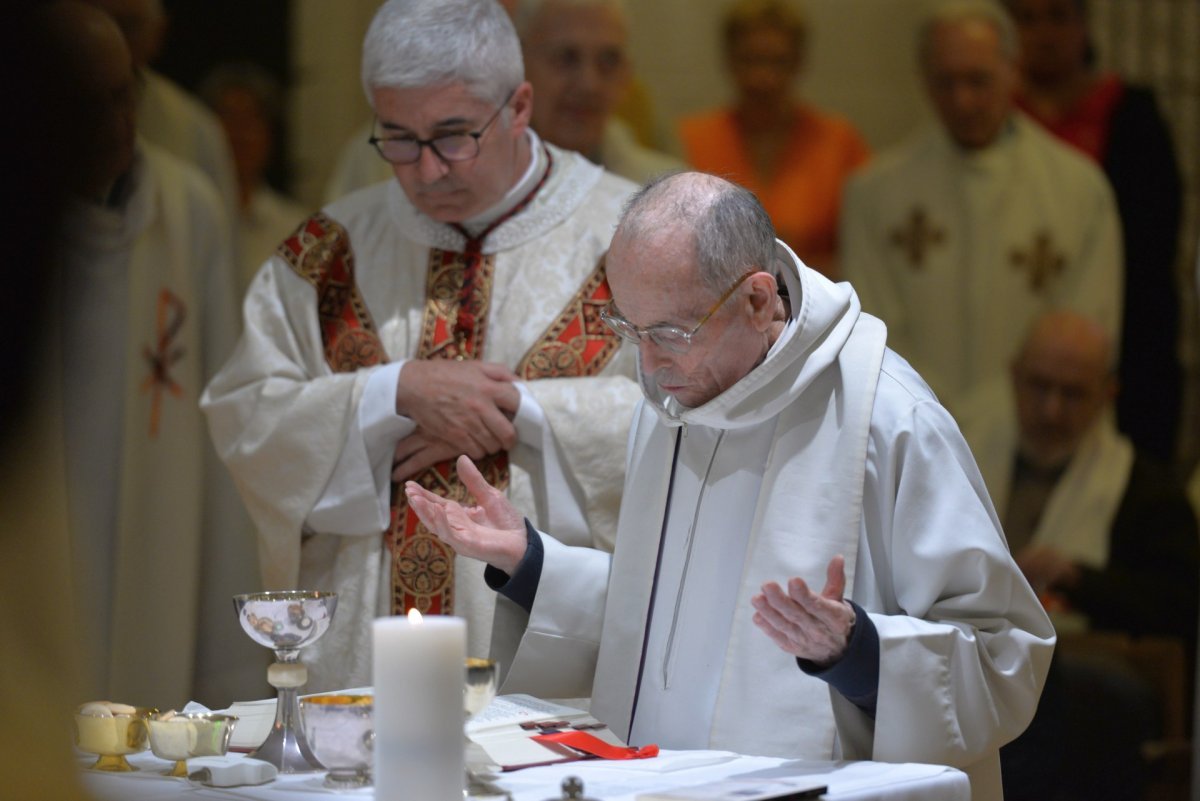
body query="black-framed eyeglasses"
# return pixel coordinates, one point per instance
(449, 147)
(669, 337)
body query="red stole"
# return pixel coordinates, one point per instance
(458, 296)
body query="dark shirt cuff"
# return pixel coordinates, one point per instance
(521, 586)
(856, 675)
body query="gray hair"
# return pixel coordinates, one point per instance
(959, 11)
(417, 43)
(526, 11)
(730, 230)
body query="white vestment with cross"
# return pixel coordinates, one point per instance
(959, 251)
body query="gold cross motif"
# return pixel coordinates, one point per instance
(1041, 261)
(917, 236)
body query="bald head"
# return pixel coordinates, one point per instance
(1069, 335)
(695, 254)
(724, 225)
(96, 90)
(1063, 381)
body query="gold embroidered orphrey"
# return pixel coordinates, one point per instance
(1041, 261)
(917, 237)
(576, 344)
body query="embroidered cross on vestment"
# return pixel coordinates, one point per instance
(917, 236)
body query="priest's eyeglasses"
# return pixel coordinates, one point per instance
(668, 337)
(448, 147)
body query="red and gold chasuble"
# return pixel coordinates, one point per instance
(458, 295)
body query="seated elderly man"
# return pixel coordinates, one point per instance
(452, 310)
(780, 447)
(1103, 532)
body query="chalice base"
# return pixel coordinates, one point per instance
(114, 763)
(287, 749)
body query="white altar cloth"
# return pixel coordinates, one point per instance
(604, 780)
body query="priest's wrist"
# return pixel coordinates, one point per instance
(521, 585)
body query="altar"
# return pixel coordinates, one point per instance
(602, 780)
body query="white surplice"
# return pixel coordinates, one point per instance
(946, 246)
(1079, 514)
(833, 445)
(312, 450)
(160, 541)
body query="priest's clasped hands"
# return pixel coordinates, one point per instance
(805, 624)
(470, 404)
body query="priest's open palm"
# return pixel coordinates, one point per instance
(492, 531)
(811, 626)
(468, 404)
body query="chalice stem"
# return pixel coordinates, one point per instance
(286, 747)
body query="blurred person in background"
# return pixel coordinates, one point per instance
(1105, 534)
(249, 103)
(961, 236)
(168, 115)
(793, 156)
(577, 59)
(1118, 126)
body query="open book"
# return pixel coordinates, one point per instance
(506, 729)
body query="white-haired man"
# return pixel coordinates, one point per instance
(780, 447)
(454, 310)
(960, 237)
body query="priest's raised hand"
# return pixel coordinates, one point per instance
(493, 531)
(803, 623)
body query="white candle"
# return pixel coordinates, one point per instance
(418, 675)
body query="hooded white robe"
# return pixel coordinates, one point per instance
(958, 252)
(848, 452)
(311, 450)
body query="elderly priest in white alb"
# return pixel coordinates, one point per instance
(780, 447)
(453, 310)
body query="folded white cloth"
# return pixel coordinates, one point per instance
(230, 771)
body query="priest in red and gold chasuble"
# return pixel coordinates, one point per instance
(452, 310)
(577, 344)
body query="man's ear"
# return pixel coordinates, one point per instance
(764, 299)
(522, 104)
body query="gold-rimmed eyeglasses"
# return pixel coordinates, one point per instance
(449, 147)
(664, 335)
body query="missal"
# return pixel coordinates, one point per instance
(517, 731)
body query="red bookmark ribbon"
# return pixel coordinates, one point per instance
(591, 744)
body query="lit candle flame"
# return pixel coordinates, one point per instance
(414, 616)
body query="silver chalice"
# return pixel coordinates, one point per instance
(286, 621)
